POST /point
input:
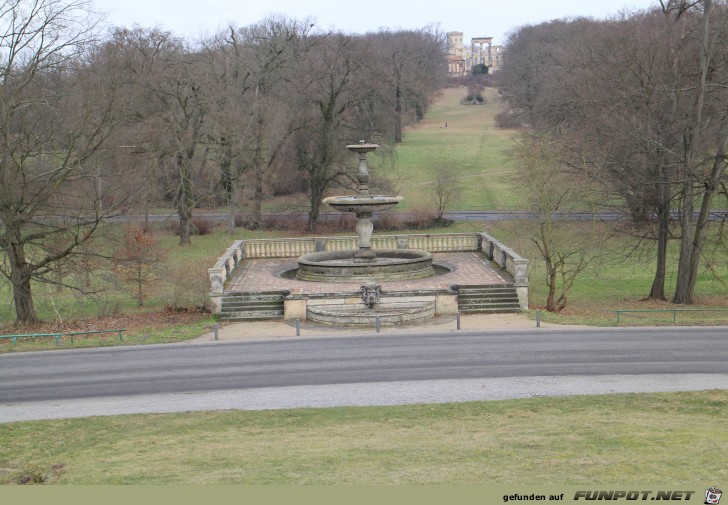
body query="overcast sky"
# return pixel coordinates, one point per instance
(476, 18)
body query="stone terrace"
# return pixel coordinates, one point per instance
(264, 274)
(249, 277)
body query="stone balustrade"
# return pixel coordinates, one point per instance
(279, 248)
(295, 247)
(509, 261)
(506, 258)
(222, 271)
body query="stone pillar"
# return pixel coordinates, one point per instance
(217, 283)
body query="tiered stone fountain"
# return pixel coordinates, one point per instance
(366, 265)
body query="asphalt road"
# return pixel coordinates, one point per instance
(217, 366)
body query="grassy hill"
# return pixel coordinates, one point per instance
(464, 139)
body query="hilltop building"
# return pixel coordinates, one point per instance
(461, 59)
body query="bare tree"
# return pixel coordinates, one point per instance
(446, 189)
(554, 193)
(173, 103)
(55, 115)
(271, 48)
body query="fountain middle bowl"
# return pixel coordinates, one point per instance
(359, 204)
(343, 266)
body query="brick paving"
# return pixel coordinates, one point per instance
(465, 268)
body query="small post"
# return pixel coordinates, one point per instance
(458, 320)
(377, 324)
(58, 340)
(215, 329)
(120, 338)
(298, 327)
(538, 318)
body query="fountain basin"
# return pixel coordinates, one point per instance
(361, 204)
(389, 313)
(344, 266)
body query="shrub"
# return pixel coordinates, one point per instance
(202, 225)
(199, 226)
(186, 286)
(508, 120)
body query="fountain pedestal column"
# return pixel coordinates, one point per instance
(364, 229)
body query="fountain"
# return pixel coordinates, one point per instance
(364, 264)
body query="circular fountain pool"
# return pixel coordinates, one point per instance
(344, 266)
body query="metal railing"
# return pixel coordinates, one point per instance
(59, 335)
(674, 312)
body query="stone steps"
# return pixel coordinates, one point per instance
(490, 299)
(252, 305)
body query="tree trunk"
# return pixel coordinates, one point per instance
(140, 286)
(232, 208)
(20, 276)
(682, 291)
(259, 172)
(185, 200)
(663, 234)
(185, 218)
(551, 298)
(711, 187)
(228, 181)
(397, 115)
(258, 201)
(313, 213)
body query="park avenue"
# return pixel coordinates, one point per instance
(111, 375)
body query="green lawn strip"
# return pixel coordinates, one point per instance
(614, 439)
(171, 332)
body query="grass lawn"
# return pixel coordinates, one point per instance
(617, 281)
(614, 439)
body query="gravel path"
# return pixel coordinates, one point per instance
(389, 393)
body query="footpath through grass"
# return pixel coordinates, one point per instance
(614, 439)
